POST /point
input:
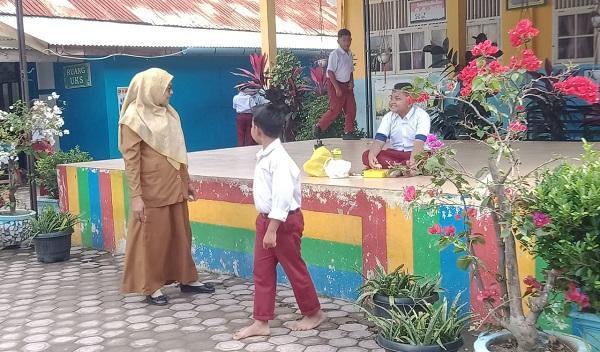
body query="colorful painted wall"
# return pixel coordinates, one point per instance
(346, 230)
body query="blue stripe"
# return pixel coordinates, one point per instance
(381, 137)
(95, 208)
(421, 137)
(330, 282)
(454, 280)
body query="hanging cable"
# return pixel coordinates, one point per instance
(51, 52)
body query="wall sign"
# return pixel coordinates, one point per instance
(520, 4)
(423, 11)
(77, 76)
(121, 94)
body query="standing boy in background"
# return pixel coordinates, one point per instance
(243, 103)
(340, 88)
(279, 226)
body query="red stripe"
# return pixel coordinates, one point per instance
(489, 254)
(108, 229)
(63, 188)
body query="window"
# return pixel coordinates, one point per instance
(573, 37)
(411, 53)
(490, 27)
(379, 45)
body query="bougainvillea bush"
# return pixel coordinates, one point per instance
(498, 191)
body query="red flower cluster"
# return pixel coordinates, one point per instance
(447, 231)
(522, 33)
(488, 293)
(529, 61)
(577, 297)
(532, 283)
(516, 127)
(410, 193)
(541, 219)
(580, 87)
(485, 48)
(423, 97)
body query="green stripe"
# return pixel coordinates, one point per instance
(126, 198)
(428, 263)
(348, 257)
(84, 206)
(550, 321)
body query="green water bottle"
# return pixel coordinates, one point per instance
(337, 154)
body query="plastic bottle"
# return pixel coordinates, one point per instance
(337, 153)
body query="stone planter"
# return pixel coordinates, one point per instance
(485, 340)
(15, 228)
(587, 325)
(44, 201)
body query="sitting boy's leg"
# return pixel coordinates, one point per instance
(265, 285)
(289, 256)
(390, 157)
(365, 159)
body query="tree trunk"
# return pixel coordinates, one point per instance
(527, 336)
(13, 185)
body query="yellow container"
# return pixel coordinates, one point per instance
(337, 153)
(375, 173)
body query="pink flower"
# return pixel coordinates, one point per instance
(484, 49)
(532, 282)
(541, 219)
(581, 87)
(433, 143)
(488, 293)
(450, 87)
(449, 231)
(576, 296)
(522, 33)
(410, 193)
(434, 230)
(516, 127)
(472, 212)
(458, 217)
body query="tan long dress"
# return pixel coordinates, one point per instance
(158, 249)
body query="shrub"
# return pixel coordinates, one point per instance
(46, 167)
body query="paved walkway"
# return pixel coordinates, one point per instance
(76, 306)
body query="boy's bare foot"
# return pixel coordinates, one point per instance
(310, 322)
(258, 328)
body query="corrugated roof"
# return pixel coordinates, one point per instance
(292, 16)
(73, 32)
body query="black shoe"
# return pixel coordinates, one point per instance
(317, 132)
(157, 301)
(350, 136)
(204, 288)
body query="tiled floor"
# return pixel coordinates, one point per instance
(76, 306)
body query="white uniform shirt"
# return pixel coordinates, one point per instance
(402, 132)
(276, 187)
(243, 103)
(341, 63)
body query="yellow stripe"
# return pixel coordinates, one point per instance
(526, 264)
(399, 239)
(322, 226)
(118, 207)
(73, 194)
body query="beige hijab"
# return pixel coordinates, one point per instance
(157, 125)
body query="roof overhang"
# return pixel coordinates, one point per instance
(43, 34)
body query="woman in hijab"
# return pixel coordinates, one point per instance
(159, 236)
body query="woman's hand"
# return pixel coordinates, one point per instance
(191, 193)
(138, 208)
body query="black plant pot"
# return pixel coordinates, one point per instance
(53, 247)
(390, 346)
(382, 304)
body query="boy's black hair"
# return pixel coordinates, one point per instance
(270, 118)
(402, 85)
(342, 32)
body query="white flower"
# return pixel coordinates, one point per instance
(66, 132)
(53, 96)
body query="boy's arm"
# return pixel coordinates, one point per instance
(331, 68)
(423, 126)
(351, 83)
(376, 147)
(282, 193)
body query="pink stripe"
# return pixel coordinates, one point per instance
(108, 229)
(63, 188)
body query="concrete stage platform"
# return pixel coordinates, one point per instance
(349, 223)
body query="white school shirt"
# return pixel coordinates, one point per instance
(402, 132)
(276, 186)
(341, 63)
(243, 103)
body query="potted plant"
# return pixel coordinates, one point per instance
(568, 194)
(46, 173)
(431, 329)
(20, 129)
(397, 291)
(384, 55)
(497, 193)
(51, 234)
(321, 60)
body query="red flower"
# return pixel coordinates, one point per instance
(581, 87)
(434, 230)
(458, 217)
(532, 282)
(410, 193)
(576, 296)
(472, 212)
(541, 219)
(488, 293)
(516, 127)
(449, 231)
(522, 33)
(484, 49)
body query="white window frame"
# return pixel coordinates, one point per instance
(481, 22)
(566, 12)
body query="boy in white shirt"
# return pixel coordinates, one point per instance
(243, 102)
(279, 226)
(406, 126)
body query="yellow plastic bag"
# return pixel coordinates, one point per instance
(315, 165)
